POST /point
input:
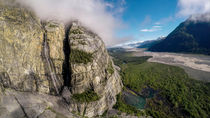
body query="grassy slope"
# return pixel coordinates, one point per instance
(178, 96)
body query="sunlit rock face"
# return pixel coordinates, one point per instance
(93, 70)
(48, 57)
(23, 53)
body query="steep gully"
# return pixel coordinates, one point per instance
(49, 65)
(66, 64)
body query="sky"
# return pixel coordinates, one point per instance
(149, 19)
(122, 21)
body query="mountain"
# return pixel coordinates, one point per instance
(191, 36)
(140, 44)
(48, 69)
(150, 43)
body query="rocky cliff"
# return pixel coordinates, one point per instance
(47, 58)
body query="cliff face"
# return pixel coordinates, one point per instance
(25, 45)
(91, 69)
(50, 58)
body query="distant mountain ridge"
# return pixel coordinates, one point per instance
(150, 43)
(189, 37)
(141, 44)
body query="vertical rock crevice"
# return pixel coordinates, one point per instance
(22, 108)
(66, 63)
(50, 67)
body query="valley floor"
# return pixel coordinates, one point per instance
(169, 91)
(197, 66)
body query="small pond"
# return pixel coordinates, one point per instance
(133, 100)
(138, 101)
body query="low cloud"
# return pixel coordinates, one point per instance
(124, 40)
(197, 9)
(92, 13)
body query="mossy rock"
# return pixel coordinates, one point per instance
(87, 96)
(82, 42)
(76, 31)
(110, 68)
(53, 25)
(78, 56)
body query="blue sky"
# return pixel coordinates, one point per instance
(148, 19)
(118, 21)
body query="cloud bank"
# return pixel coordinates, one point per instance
(197, 9)
(94, 14)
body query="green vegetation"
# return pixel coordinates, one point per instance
(82, 42)
(110, 68)
(53, 25)
(87, 96)
(122, 57)
(121, 106)
(104, 114)
(182, 94)
(178, 95)
(114, 117)
(78, 56)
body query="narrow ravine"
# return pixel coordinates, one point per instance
(66, 63)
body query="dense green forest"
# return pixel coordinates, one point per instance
(188, 37)
(177, 95)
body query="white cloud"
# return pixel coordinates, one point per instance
(157, 23)
(157, 26)
(91, 13)
(147, 30)
(153, 29)
(110, 5)
(193, 7)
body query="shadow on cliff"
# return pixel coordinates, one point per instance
(66, 64)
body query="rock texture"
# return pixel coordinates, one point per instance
(43, 58)
(23, 59)
(33, 105)
(98, 75)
